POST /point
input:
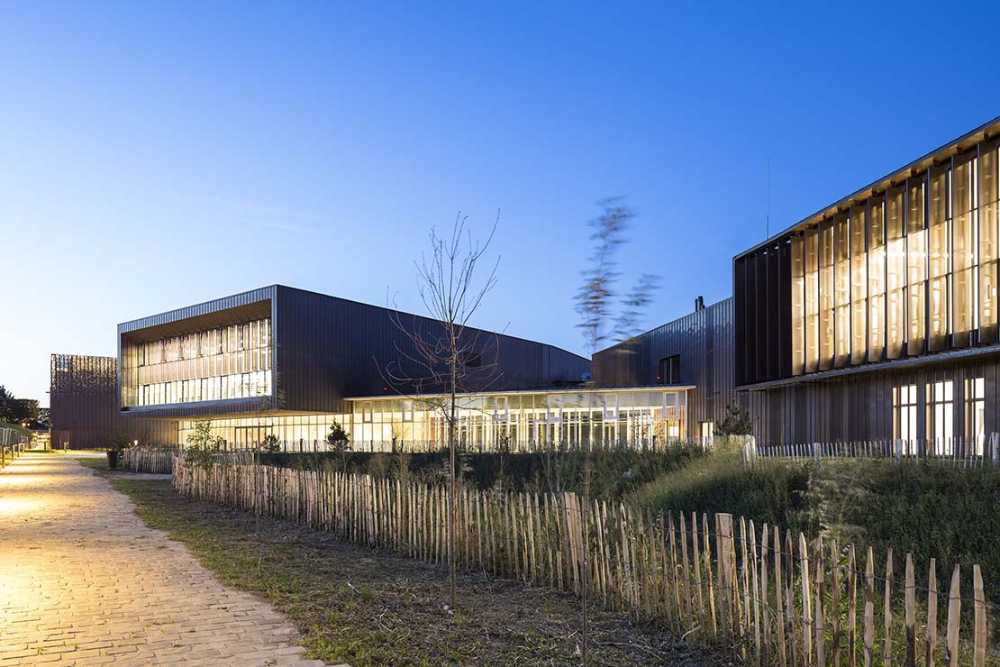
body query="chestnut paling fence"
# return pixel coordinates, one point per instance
(774, 597)
(149, 459)
(12, 444)
(958, 451)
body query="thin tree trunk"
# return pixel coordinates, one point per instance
(454, 475)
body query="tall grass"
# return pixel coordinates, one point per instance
(928, 509)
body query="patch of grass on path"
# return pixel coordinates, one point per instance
(367, 608)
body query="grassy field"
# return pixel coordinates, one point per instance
(367, 608)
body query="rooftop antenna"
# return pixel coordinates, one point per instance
(767, 217)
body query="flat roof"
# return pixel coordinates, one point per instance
(984, 131)
(518, 392)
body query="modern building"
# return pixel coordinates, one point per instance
(288, 362)
(83, 406)
(876, 317)
(694, 351)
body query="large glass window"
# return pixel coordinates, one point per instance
(842, 291)
(827, 304)
(964, 250)
(916, 266)
(812, 300)
(798, 305)
(228, 362)
(987, 204)
(940, 417)
(896, 274)
(876, 280)
(904, 414)
(938, 262)
(975, 414)
(859, 285)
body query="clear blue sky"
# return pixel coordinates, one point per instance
(156, 155)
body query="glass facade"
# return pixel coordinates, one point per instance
(903, 272)
(519, 420)
(227, 362)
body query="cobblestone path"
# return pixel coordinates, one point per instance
(83, 581)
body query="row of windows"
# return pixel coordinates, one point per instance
(940, 406)
(907, 271)
(232, 338)
(241, 385)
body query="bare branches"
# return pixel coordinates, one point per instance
(597, 294)
(444, 354)
(633, 305)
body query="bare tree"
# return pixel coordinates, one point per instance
(596, 298)
(593, 301)
(446, 356)
(634, 304)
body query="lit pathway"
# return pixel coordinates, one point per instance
(84, 582)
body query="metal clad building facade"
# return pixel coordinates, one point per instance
(877, 317)
(703, 344)
(84, 406)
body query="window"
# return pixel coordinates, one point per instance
(876, 280)
(988, 245)
(859, 286)
(896, 275)
(938, 262)
(975, 414)
(707, 430)
(798, 305)
(669, 371)
(940, 415)
(916, 262)
(904, 415)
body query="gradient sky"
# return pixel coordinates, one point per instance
(155, 155)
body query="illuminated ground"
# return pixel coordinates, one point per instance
(84, 582)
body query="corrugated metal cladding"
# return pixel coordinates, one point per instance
(241, 307)
(703, 339)
(326, 349)
(859, 407)
(83, 403)
(762, 306)
(329, 349)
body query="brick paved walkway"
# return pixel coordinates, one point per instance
(84, 582)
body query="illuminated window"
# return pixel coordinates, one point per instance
(826, 297)
(798, 305)
(988, 245)
(859, 285)
(916, 265)
(964, 257)
(812, 300)
(940, 415)
(896, 275)
(904, 414)
(876, 280)
(975, 413)
(842, 291)
(938, 262)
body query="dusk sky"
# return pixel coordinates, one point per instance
(155, 155)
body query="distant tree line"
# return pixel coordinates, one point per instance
(16, 410)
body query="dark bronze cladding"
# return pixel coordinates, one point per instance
(698, 345)
(325, 349)
(84, 406)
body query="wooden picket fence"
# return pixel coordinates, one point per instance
(957, 451)
(157, 460)
(773, 597)
(13, 443)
